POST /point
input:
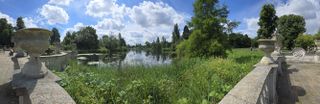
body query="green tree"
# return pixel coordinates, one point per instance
(68, 41)
(20, 24)
(55, 37)
(176, 34)
(6, 31)
(305, 41)
(87, 39)
(317, 35)
(290, 26)
(208, 37)
(267, 21)
(186, 32)
(121, 40)
(230, 25)
(238, 40)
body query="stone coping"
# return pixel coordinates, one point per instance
(54, 55)
(248, 90)
(41, 91)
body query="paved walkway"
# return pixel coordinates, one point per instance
(6, 71)
(300, 84)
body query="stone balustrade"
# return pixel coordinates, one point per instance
(258, 87)
(59, 61)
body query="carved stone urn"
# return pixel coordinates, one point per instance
(267, 46)
(34, 41)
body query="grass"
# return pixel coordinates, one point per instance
(185, 81)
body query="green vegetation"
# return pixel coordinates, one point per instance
(305, 41)
(6, 31)
(267, 22)
(208, 37)
(290, 26)
(55, 37)
(187, 81)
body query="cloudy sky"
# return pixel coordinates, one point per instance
(144, 20)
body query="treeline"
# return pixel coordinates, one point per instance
(6, 31)
(86, 40)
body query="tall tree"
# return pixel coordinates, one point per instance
(186, 32)
(267, 21)
(6, 31)
(121, 40)
(20, 24)
(175, 34)
(55, 37)
(87, 39)
(208, 37)
(290, 26)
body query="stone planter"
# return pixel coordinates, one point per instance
(34, 41)
(267, 46)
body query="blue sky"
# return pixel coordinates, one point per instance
(144, 20)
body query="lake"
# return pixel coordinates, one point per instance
(129, 58)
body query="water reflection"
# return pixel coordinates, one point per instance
(120, 59)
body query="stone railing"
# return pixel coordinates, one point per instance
(258, 87)
(58, 62)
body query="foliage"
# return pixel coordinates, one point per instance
(290, 26)
(175, 36)
(20, 24)
(87, 39)
(112, 43)
(55, 37)
(186, 32)
(238, 40)
(208, 37)
(6, 31)
(69, 41)
(267, 21)
(190, 81)
(305, 41)
(317, 35)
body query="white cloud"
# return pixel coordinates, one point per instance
(153, 14)
(9, 19)
(60, 2)
(251, 26)
(102, 8)
(309, 9)
(54, 14)
(109, 24)
(76, 27)
(29, 22)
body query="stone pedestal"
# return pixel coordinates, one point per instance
(267, 46)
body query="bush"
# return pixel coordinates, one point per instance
(305, 41)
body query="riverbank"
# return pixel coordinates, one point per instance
(194, 80)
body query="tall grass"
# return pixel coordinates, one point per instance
(185, 81)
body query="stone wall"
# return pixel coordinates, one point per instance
(58, 62)
(258, 87)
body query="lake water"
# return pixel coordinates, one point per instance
(120, 59)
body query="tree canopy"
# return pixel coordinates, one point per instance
(55, 37)
(305, 41)
(20, 24)
(186, 32)
(290, 26)
(208, 37)
(267, 21)
(6, 31)
(87, 39)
